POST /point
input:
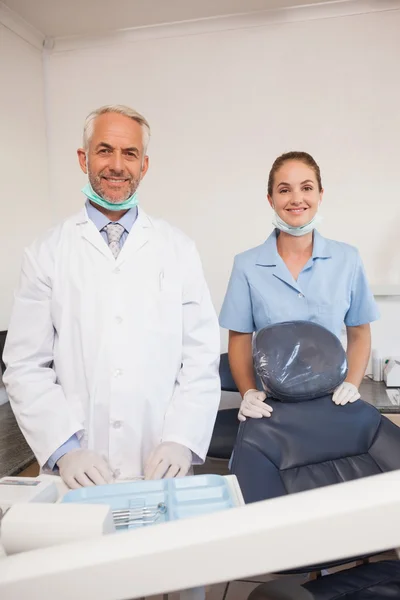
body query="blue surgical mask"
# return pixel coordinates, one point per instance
(296, 231)
(125, 205)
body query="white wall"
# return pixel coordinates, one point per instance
(25, 206)
(223, 105)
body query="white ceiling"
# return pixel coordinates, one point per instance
(63, 18)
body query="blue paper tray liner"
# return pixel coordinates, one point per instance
(184, 497)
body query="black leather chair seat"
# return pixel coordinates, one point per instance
(307, 445)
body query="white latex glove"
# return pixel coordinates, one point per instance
(81, 468)
(253, 406)
(168, 460)
(344, 393)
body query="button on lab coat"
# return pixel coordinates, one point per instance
(123, 352)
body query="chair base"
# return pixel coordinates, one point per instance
(377, 581)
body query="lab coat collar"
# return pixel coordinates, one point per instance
(100, 220)
(139, 236)
(82, 217)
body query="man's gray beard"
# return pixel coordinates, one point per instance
(95, 182)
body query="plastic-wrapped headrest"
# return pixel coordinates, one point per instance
(299, 360)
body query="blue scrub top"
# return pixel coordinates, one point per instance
(332, 289)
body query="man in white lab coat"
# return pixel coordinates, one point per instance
(112, 351)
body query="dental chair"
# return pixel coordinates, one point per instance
(308, 442)
(378, 581)
(226, 424)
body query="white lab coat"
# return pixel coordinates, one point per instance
(134, 343)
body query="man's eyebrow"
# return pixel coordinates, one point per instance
(105, 145)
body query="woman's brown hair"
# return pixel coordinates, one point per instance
(303, 157)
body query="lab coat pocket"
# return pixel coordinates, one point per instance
(164, 304)
(165, 312)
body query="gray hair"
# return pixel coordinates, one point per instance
(119, 109)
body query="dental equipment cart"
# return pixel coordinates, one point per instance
(145, 503)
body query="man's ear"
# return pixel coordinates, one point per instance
(82, 159)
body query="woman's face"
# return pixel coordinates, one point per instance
(295, 194)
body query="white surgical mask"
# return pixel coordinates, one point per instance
(296, 231)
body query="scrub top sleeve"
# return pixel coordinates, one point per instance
(363, 308)
(237, 310)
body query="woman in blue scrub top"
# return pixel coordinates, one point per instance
(297, 275)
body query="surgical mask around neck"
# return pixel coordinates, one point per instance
(125, 205)
(296, 231)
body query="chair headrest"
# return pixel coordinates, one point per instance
(299, 360)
